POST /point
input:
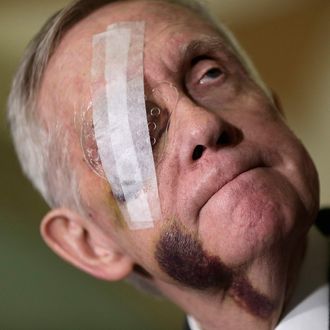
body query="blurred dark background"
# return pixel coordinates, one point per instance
(289, 40)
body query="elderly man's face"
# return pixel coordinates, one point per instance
(236, 187)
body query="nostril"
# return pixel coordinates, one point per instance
(224, 139)
(198, 152)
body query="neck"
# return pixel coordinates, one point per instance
(214, 311)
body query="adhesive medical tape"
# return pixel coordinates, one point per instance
(120, 122)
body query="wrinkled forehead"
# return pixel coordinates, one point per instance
(157, 14)
(167, 27)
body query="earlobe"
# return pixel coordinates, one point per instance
(67, 234)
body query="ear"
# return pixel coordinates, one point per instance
(278, 103)
(66, 233)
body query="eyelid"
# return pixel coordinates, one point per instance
(199, 58)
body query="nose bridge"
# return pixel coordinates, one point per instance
(198, 130)
(198, 124)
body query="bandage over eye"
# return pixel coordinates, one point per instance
(121, 124)
(159, 100)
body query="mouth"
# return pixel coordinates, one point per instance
(229, 179)
(238, 175)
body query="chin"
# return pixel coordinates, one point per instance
(254, 214)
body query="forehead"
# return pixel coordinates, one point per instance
(163, 20)
(168, 27)
(156, 13)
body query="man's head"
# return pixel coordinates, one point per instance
(237, 190)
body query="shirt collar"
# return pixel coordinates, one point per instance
(309, 307)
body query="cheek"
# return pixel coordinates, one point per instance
(168, 180)
(302, 174)
(267, 131)
(294, 164)
(140, 245)
(100, 203)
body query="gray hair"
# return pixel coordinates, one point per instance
(38, 149)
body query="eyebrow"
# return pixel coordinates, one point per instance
(205, 45)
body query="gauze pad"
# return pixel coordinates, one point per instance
(120, 122)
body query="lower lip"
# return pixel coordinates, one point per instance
(239, 185)
(235, 184)
(239, 176)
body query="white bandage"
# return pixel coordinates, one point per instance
(120, 122)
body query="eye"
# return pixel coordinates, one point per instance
(206, 71)
(211, 75)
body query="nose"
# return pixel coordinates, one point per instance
(201, 131)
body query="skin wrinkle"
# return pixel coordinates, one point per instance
(208, 45)
(212, 47)
(180, 254)
(191, 51)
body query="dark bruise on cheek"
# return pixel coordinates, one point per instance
(181, 256)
